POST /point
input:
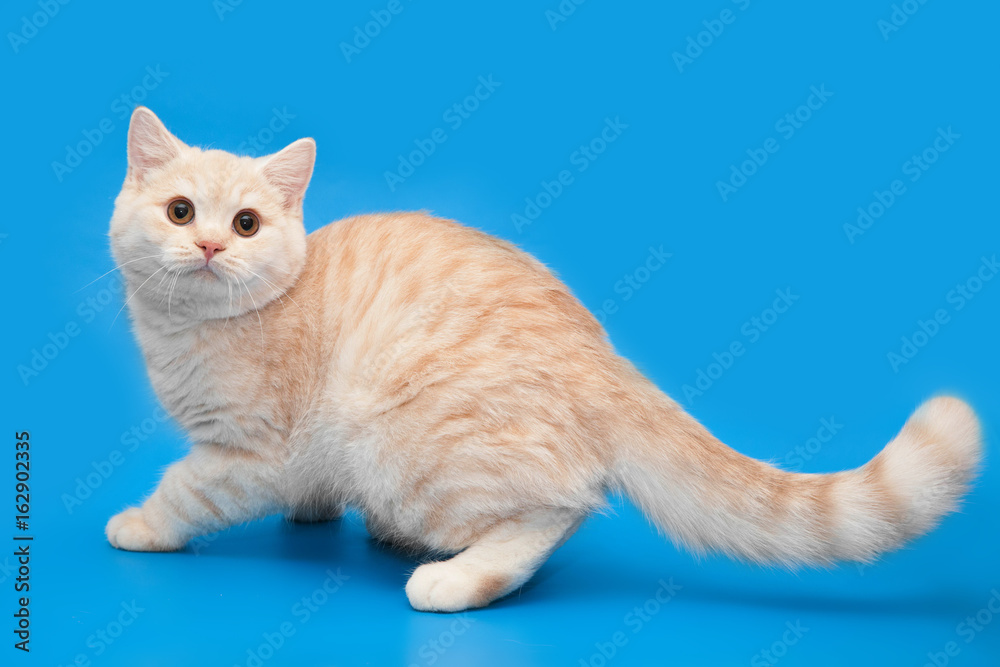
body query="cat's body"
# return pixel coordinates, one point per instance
(447, 385)
(330, 385)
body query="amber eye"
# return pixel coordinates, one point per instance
(246, 223)
(180, 211)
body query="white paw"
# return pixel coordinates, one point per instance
(445, 586)
(129, 530)
(440, 587)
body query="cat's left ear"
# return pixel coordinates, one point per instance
(290, 170)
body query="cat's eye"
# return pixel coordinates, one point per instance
(180, 211)
(246, 223)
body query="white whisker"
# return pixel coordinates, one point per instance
(170, 293)
(280, 295)
(133, 294)
(229, 308)
(137, 259)
(273, 266)
(259, 321)
(168, 274)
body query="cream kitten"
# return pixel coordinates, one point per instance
(447, 385)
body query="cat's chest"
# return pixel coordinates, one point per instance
(212, 386)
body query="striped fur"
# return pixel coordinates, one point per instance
(450, 387)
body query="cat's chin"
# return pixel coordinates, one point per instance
(206, 273)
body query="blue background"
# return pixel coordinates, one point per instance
(223, 73)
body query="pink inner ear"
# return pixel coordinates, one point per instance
(291, 168)
(150, 144)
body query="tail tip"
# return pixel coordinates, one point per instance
(951, 422)
(933, 461)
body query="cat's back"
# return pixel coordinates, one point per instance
(413, 241)
(387, 260)
(407, 296)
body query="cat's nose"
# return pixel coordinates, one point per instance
(210, 248)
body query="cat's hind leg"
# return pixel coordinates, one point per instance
(499, 562)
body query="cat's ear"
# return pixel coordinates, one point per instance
(290, 170)
(150, 144)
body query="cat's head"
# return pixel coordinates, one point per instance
(207, 234)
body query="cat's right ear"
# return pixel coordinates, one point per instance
(150, 144)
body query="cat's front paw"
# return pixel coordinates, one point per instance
(129, 531)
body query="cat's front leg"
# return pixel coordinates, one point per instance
(212, 488)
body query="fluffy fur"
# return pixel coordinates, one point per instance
(450, 387)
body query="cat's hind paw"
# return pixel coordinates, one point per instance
(129, 531)
(447, 586)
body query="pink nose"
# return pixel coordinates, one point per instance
(210, 248)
